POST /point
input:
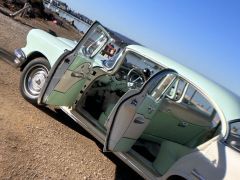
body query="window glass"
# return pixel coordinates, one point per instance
(196, 100)
(162, 86)
(177, 89)
(96, 40)
(216, 120)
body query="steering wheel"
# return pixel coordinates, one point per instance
(135, 78)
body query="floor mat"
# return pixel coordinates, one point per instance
(144, 152)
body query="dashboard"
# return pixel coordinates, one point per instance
(136, 70)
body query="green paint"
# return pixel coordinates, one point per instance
(144, 107)
(164, 125)
(80, 59)
(68, 98)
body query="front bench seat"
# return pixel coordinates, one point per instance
(104, 115)
(169, 153)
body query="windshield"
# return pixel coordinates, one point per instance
(110, 63)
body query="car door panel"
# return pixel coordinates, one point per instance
(67, 98)
(70, 74)
(166, 126)
(125, 127)
(132, 115)
(176, 122)
(68, 88)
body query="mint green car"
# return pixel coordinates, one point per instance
(162, 119)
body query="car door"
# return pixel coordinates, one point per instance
(72, 71)
(134, 111)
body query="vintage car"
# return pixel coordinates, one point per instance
(162, 119)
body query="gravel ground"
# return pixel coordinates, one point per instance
(39, 143)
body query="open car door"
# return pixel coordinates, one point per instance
(74, 69)
(134, 111)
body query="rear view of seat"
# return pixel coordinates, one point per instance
(169, 153)
(104, 115)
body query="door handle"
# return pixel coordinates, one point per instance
(168, 111)
(134, 102)
(80, 75)
(183, 124)
(77, 74)
(151, 109)
(139, 120)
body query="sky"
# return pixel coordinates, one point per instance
(203, 35)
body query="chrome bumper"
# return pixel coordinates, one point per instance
(20, 57)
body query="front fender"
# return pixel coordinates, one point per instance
(48, 45)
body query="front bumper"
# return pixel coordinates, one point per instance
(20, 57)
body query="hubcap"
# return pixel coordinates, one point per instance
(34, 80)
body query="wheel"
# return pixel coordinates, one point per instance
(33, 78)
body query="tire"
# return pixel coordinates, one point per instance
(33, 78)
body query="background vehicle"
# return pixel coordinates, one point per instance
(159, 117)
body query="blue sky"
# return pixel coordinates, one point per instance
(203, 35)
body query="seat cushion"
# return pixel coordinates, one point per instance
(169, 153)
(104, 115)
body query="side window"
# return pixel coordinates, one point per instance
(177, 90)
(194, 105)
(234, 135)
(161, 87)
(197, 101)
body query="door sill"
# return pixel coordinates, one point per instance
(128, 158)
(86, 115)
(147, 164)
(100, 136)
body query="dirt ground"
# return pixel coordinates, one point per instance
(39, 143)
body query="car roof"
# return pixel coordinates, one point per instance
(224, 100)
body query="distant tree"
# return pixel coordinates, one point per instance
(37, 8)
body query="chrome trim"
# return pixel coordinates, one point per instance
(20, 57)
(197, 175)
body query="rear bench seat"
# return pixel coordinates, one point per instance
(169, 153)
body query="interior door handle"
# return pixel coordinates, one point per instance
(168, 111)
(134, 102)
(139, 120)
(151, 109)
(77, 74)
(80, 75)
(183, 124)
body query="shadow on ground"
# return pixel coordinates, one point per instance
(122, 170)
(7, 56)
